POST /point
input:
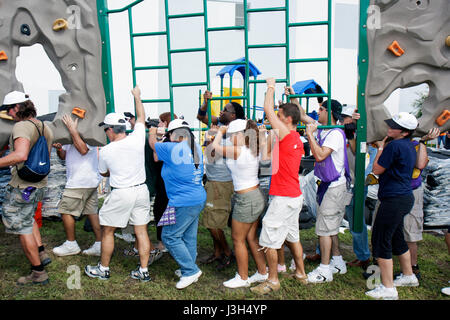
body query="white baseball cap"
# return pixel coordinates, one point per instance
(13, 98)
(402, 121)
(348, 110)
(237, 125)
(177, 123)
(113, 119)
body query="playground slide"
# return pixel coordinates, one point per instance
(410, 46)
(69, 33)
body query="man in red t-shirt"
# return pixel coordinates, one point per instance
(280, 222)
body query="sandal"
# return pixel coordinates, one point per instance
(130, 253)
(226, 261)
(155, 255)
(210, 259)
(266, 287)
(301, 279)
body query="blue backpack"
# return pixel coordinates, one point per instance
(37, 166)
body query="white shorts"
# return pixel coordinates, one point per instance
(128, 205)
(281, 222)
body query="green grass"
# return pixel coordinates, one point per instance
(433, 261)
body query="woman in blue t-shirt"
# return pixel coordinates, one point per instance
(394, 163)
(182, 173)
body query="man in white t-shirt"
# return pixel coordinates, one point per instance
(122, 160)
(332, 170)
(80, 194)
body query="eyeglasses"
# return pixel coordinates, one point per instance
(323, 109)
(106, 128)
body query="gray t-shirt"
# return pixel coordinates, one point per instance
(217, 170)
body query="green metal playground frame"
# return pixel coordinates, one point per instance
(103, 17)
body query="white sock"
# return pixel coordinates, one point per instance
(72, 243)
(338, 259)
(142, 270)
(102, 268)
(135, 250)
(324, 267)
(98, 243)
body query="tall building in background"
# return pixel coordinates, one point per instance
(53, 100)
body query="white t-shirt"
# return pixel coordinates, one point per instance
(125, 159)
(244, 170)
(335, 141)
(81, 171)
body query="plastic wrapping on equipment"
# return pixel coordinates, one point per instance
(436, 189)
(308, 214)
(55, 187)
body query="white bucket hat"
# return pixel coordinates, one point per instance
(13, 98)
(237, 125)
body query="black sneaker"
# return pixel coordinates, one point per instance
(142, 276)
(415, 270)
(225, 261)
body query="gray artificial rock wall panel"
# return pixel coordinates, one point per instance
(421, 29)
(75, 52)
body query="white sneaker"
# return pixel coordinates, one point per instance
(338, 267)
(381, 292)
(320, 275)
(128, 237)
(446, 291)
(258, 277)
(406, 281)
(237, 282)
(293, 267)
(94, 250)
(67, 249)
(187, 281)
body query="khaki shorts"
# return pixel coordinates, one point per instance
(218, 204)
(413, 221)
(128, 205)
(331, 211)
(79, 201)
(18, 214)
(280, 222)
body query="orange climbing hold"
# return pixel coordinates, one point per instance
(3, 56)
(79, 112)
(396, 49)
(443, 118)
(60, 24)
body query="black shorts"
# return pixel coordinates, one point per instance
(387, 232)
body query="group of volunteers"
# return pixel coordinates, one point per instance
(239, 157)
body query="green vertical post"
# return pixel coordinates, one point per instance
(205, 20)
(102, 14)
(133, 59)
(169, 56)
(247, 61)
(361, 134)
(254, 100)
(288, 73)
(330, 10)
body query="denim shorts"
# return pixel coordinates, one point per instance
(18, 213)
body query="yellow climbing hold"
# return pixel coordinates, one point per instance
(4, 115)
(60, 24)
(3, 56)
(447, 41)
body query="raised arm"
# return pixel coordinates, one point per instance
(78, 143)
(140, 111)
(303, 116)
(202, 114)
(280, 128)
(225, 151)
(422, 155)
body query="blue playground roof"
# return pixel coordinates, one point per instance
(253, 72)
(307, 86)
